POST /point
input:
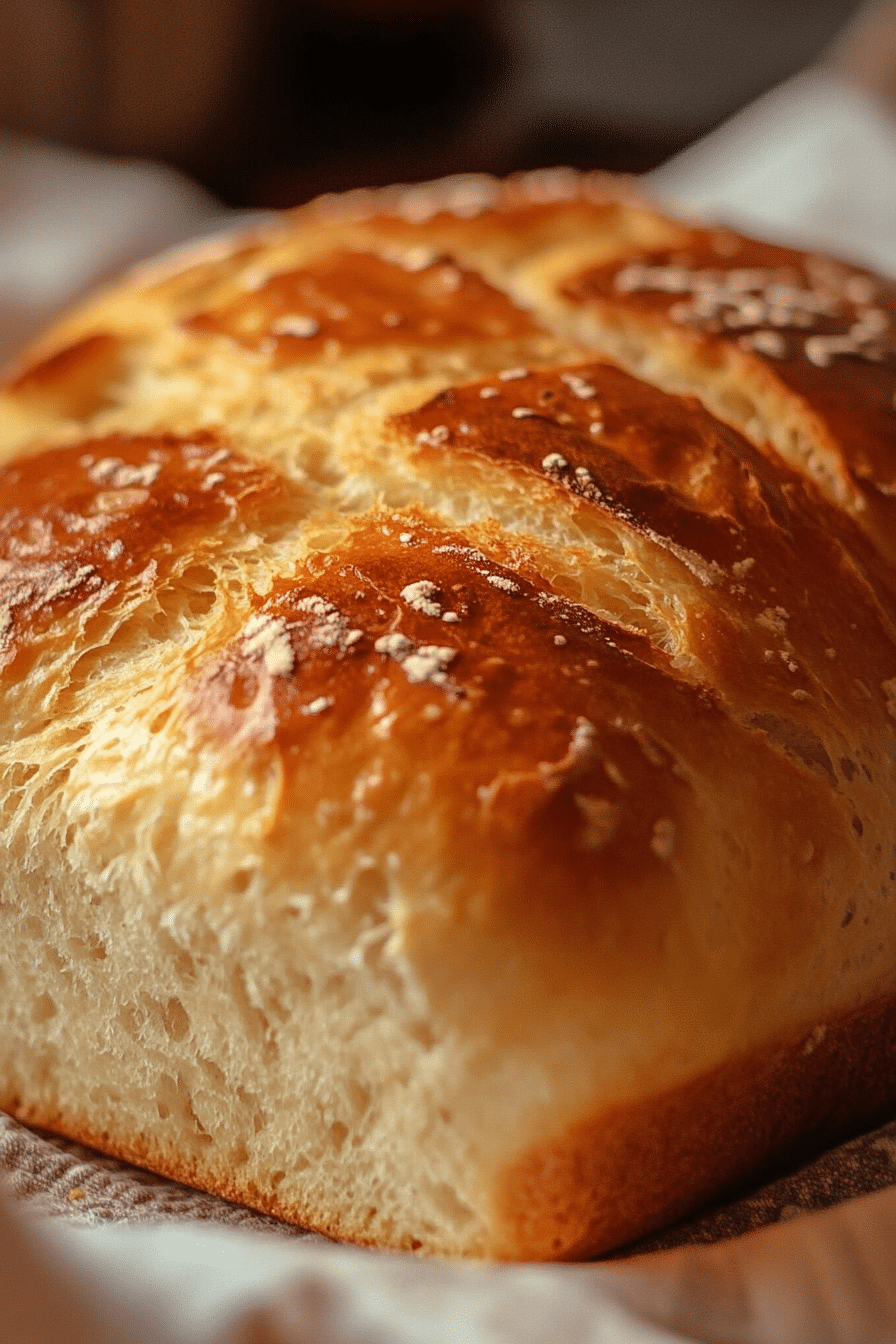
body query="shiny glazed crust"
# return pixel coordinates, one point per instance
(448, 715)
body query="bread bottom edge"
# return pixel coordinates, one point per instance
(628, 1171)
(633, 1170)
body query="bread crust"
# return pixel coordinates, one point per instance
(749, 1119)
(448, 715)
(574, 1198)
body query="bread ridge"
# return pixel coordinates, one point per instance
(495, 610)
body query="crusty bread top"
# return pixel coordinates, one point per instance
(531, 547)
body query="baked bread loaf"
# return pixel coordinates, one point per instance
(448, 715)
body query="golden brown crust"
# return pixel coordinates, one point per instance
(73, 381)
(822, 331)
(353, 300)
(80, 524)
(801, 314)
(745, 1120)
(449, 671)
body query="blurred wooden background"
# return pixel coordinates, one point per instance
(270, 101)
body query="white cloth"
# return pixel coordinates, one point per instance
(826, 1279)
(69, 220)
(812, 163)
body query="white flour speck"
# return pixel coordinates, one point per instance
(319, 705)
(434, 437)
(579, 386)
(269, 636)
(502, 582)
(420, 663)
(120, 475)
(554, 462)
(296, 324)
(422, 596)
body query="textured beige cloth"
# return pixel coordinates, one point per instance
(56, 1176)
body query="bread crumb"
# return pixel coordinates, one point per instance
(395, 645)
(329, 628)
(614, 774)
(581, 745)
(429, 663)
(419, 258)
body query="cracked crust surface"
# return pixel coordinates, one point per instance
(448, 703)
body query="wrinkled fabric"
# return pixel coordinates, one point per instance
(54, 1176)
(811, 164)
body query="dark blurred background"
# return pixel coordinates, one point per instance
(269, 102)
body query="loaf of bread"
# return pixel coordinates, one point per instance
(448, 716)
